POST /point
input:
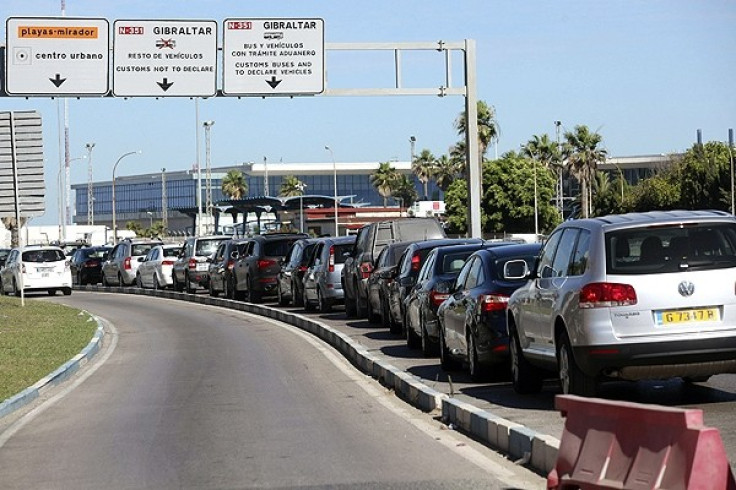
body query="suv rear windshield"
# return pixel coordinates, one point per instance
(671, 248)
(208, 246)
(141, 248)
(342, 252)
(277, 248)
(43, 256)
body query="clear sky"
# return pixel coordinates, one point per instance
(645, 74)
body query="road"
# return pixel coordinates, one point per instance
(189, 396)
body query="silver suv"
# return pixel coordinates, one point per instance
(123, 260)
(631, 297)
(191, 269)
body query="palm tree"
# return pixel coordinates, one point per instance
(583, 156)
(291, 186)
(445, 172)
(541, 149)
(384, 180)
(234, 185)
(423, 166)
(405, 191)
(487, 126)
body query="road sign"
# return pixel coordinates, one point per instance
(273, 56)
(164, 58)
(21, 164)
(56, 56)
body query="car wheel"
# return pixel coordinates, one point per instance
(572, 380)
(525, 377)
(139, 281)
(67, 291)
(412, 341)
(477, 371)
(211, 289)
(104, 281)
(446, 360)
(324, 305)
(297, 297)
(120, 280)
(350, 310)
(280, 295)
(361, 308)
(393, 326)
(385, 315)
(696, 379)
(308, 306)
(80, 281)
(15, 291)
(253, 295)
(188, 285)
(429, 349)
(156, 284)
(51, 292)
(229, 288)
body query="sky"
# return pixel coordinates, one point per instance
(646, 75)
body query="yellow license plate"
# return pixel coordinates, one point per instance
(688, 316)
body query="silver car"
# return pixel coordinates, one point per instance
(122, 262)
(322, 280)
(630, 297)
(154, 271)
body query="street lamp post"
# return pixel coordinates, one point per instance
(90, 187)
(114, 222)
(560, 205)
(334, 171)
(301, 188)
(208, 200)
(150, 220)
(62, 198)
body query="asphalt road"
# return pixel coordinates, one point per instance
(188, 396)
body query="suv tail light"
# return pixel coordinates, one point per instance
(437, 297)
(604, 294)
(265, 263)
(302, 268)
(493, 302)
(126, 263)
(192, 264)
(365, 269)
(230, 264)
(167, 262)
(415, 262)
(331, 260)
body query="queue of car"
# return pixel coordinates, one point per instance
(621, 297)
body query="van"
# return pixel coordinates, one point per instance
(371, 239)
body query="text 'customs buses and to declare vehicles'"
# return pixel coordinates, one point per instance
(152, 58)
(273, 56)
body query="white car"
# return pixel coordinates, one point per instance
(36, 268)
(154, 271)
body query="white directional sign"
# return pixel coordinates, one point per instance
(273, 56)
(56, 56)
(164, 58)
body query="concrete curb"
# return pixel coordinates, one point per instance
(535, 450)
(62, 373)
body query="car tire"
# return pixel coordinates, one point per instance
(350, 310)
(323, 304)
(478, 372)
(361, 309)
(696, 379)
(253, 296)
(15, 291)
(446, 360)
(394, 327)
(51, 292)
(105, 284)
(308, 306)
(429, 348)
(121, 283)
(211, 289)
(67, 291)
(296, 296)
(525, 377)
(280, 296)
(139, 281)
(229, 288)
(80, 281)
(156, 284)
(573, 381)
(412, 341)
(188, 285)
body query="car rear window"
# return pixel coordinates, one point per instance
(43, 256)
(307, 253)
(171, 252)
(207, 247)
(95, 253)
(277, 248)
(671, 249)
(141, 248)
(341, 252)
(452, 263)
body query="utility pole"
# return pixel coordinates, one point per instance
(164, 203)
(90, 187)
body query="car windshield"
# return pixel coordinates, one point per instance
(452, 263)
(207, 247)
(171, 251)
(341, 252)
(141, 249)
(43, 256)
(671, 249)
(95, 253)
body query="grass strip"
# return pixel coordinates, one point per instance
(37, 339)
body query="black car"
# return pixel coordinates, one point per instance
(4, 252)
(381, 279)
(431, 288)
(410, 263)
(221, 265)
(473, 318)
(256, 270)
(86, 264)
(290, 287)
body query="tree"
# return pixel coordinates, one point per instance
(291, 186)
(445, 172)
(234, 184)
(423, 167)
(583, 156)
(546, 152)
(704, 175)
(657, 193)
(606, 195)
(383, 179)
(487, 126)
(405, 191)
(136, 227)
(10, 225)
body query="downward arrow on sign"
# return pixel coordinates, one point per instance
(58, 80)
(273, 82)
(165, 84)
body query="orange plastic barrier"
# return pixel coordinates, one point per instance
(608, 444)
